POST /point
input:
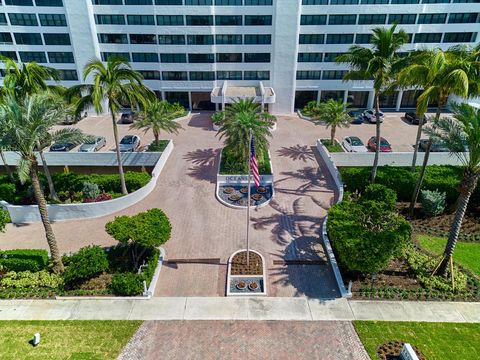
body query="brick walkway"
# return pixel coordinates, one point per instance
(276, 340)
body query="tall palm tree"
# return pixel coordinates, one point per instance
(159, 116)
(456, 133)
(116, 83)
(26, 122)
(379, 62)
(333, 114)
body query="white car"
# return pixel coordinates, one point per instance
(370, 116)
(93, 145)
(129, 143)
(353, 144)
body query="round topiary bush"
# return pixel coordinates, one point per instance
(85, 264)
(127, 284)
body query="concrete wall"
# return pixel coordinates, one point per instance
(392, 159)
(29, 213)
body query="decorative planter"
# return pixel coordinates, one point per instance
(243, 280)
(216, 127)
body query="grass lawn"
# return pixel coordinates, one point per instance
(335, 147)
(466, 254)
(65, 339)
(437, 341)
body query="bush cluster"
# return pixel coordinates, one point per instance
(232, 165)
(31, 280)
(24, 260)
(4, 219)
(7, 192)
(87, 263)
(433, 202)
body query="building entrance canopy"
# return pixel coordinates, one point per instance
(229, 94)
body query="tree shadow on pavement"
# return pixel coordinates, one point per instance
(200, 121)
(205, 164)
(297, 152)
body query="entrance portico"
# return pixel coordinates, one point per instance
(230, 94)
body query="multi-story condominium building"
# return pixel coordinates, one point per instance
(187, 48)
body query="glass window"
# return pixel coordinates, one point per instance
(333, 74)
(113, 38)
(200, 39)
(369, 19)
(144, 57)
(427, 38)
(228, 2)
(168, 2)
(229, 57)
(374, 2)
(309, 57)
(68, 75)
(138, 2)
(435, 1)
(106, 55)
(311, 39)
(343, 2)
(339, 38)
(150, 74)
(256, 75)
(30, 56)
(459, 18)
(228, 39)
(6, 38)
(171, 39)
(174, 75)
(143, 39)
(363, 38)
(23, 19)
(258, 39)
(60, 57)
(229, 75)
(200, 20)
(170, 20)
(52, 19)
(459, 37)
(173, 58)
(342, 19)
(201, 58)
(202, 76)
(107, 2)
(314, 2)
(258, 20)
(140, 20)
(48, 2)
(19, 2)
(9, 54)
(228, 20)
(198, 2)
(398, 2)
(313, 20)
(331, 56)
(110, 19)
(432, 18)
(28, 39)
(309, 74)
(257, 57)
(3, 19)
(402, 18)
(258, 2)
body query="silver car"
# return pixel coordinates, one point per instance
(129, 143)
(93, 145)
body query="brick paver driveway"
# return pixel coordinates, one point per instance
(276, 340)
(288, 229)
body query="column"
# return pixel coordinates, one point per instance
(399, 100)
(319, 96)
(190, 100)
(371, 99)
(345, 96)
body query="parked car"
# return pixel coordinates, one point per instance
(128, 117)
(357, 117)
(370, 116)
(73, 119)
(62, 147)
(92, 145)
(384, 144)
(414, 119)
(353, 144)
(129, 143)
(436, 146)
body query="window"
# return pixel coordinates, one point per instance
(258, 2)
(258, 20)
(339, 38)
(432, 18)
(198, 2)
(228, 2)
(228, 39)
(56, 39)
(143, 39)
(173, 58)
(168, 2)
(6, 38)
(174, 75)
(68, 75)
(113, 38)
(427, 37)
(459, 37)
(23, 19)
(258, 39)
(200, 39)
(369, 19)
(107, 2)
(200, 20)
(3, 19)
(435, 1)
(333, 74)
(458, 18)
(171, 39)
(140, 20)
(343, 2)
(110, 19)
(256, 75)
(52, 19)
(48, 3)
(309, 75)
(398, 2)
(331, 57)
(229, 57)
(374, 2)
(312, 38)
(314, 2)
(342, 19)
(60, 57)
(229, 75)
(138, 2)
(144, 57)
(106, 55)
(150, 74)
(309, 57)
(19, 2)
(9, 54)
(28, 39)
(202, 76)
(257, 57)
(201, 58)
(228, 20)
(402, 18)
(170, 20)
(313, 20)
(465, 1)
(363, 38)
(29, 56)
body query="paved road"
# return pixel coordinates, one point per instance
(204, 228)
(267, 340)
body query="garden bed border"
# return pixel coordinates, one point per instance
(185, 117)
(21, 214)
(304, 117)
(263, 276)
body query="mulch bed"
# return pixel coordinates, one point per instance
(239, 264)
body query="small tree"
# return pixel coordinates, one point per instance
(333, 114)
(140, 232)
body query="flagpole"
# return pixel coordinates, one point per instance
(249, 194)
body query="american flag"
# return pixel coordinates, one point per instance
(254, 164)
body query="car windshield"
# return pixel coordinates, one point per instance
(127, 140)
(356, 142)
(384, 142)
(90, 142)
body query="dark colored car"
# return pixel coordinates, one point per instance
(357, 117)
(62, 147)
(414, 119)
(384, 144)
(127, 118)
(436, 146)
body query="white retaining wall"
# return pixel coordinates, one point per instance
(21, 214)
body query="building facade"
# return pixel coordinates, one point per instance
(186, 48)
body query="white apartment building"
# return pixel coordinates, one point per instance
(187, 48)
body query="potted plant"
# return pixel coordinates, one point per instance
(217, 120)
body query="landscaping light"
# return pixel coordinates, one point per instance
(36, 339)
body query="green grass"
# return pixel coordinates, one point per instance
(65, 339)
(335, 147)
(437, 341)
(466, 254)
(162, 144)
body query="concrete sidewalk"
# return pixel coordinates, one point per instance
(252, 308)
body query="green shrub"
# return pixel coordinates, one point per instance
(433, 202)
(4, 219)
(217, 118)
(231, 165)
(31, 280)
(24, 260)
(90, 190)
(162, 145)
(381, 193)
(85, 264)
(149, 270)
(7, 192)
(127, 284)
(310, 108)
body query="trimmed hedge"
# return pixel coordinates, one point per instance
(24, 260)
(127, 284)
(85, 264)
(400, 179)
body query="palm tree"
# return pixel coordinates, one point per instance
(379, 62)
(456, 133)
(158, 116)
(2, 156)
(26, 122)
(116, 83)
(240, 118)
(333, 114)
